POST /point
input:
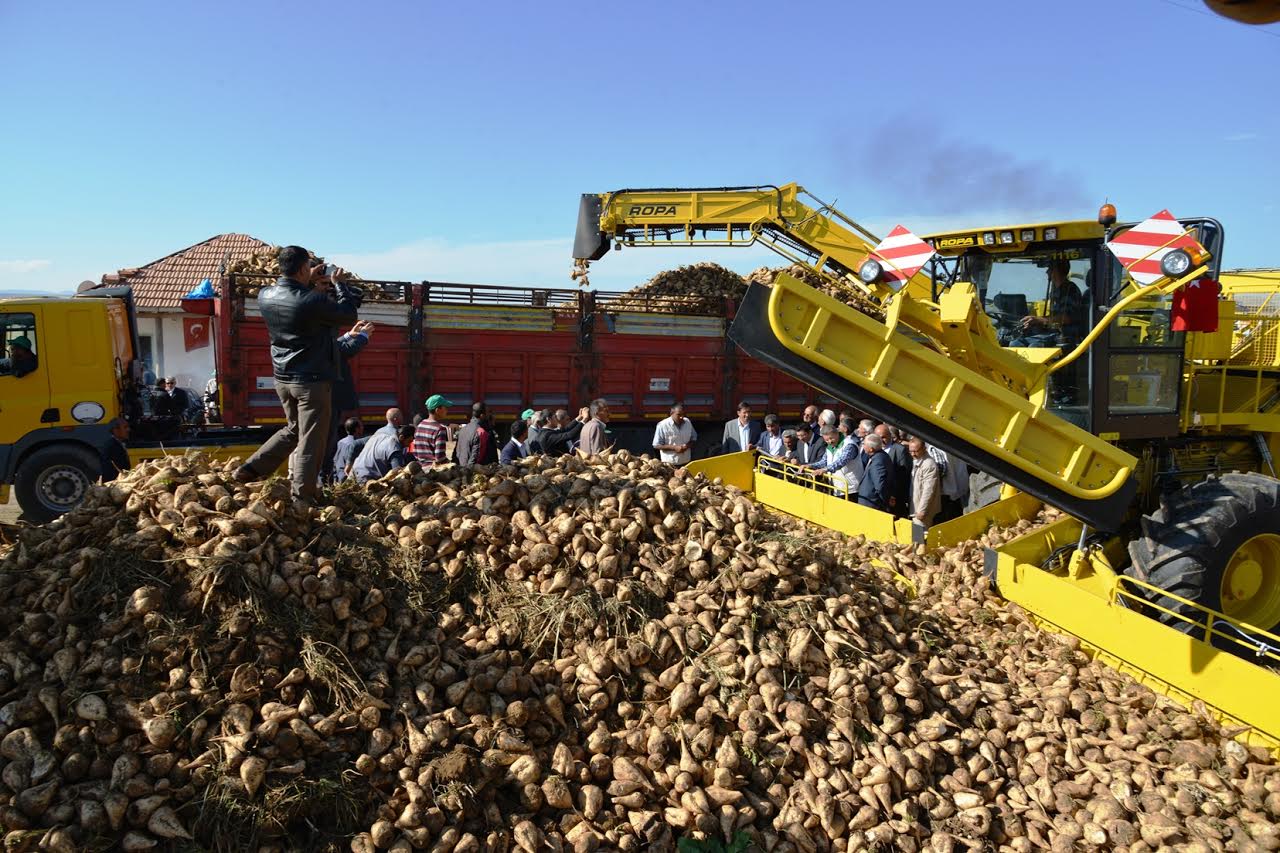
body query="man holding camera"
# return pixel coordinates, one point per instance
(304, 312)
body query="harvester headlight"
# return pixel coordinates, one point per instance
(1176, 263)
(989, 238)
(1051, 233)
(870, 271)
(1028, 234)
(1006, 238)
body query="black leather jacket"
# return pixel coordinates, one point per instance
(304, 325)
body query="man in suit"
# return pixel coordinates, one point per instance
(806, 448)
(742, 433)
(900, 459)
(926, 484)
(548, 435)
(517, 448)
(594, 437)
(876, 486)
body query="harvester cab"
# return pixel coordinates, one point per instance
(1046, 286)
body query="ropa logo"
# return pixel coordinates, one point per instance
(652, 210)
(952, 242)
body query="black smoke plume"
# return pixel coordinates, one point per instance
(932, 173)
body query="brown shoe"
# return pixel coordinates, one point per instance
(245, 474)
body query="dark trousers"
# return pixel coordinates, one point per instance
(951, 508)
(335, 434)
(304, 437)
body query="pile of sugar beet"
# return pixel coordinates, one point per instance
(561, 656)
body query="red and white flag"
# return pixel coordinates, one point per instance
(1195, 307)
(195, 332)
(1142, 247)
(902, 254)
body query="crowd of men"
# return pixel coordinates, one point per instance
(308, 307)
(477, 442)
(874, 464)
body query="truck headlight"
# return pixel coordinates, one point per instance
(870, 271)
(1006, 238)
(1176, 263)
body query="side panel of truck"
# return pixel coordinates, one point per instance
(648, 361)
(518, 348)
(382, 370)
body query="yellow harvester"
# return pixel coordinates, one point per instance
(1034, 354)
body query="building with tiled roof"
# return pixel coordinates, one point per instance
(160, 285)
(174, 342)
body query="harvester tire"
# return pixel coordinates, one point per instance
(1188, 546)
(983, 490)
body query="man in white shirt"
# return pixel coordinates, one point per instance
(674, 437)
(771, 439)
(741, 433)
(838, 460)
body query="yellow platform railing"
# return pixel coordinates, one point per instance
(805, 493)
(1114, 622)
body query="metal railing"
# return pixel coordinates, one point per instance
(1211, 626)
(1255, 340)
(836, 485)
(247, 284)
(611, 301)
(451, 293)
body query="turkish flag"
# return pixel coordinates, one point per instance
(1195, 307)
(195, 332)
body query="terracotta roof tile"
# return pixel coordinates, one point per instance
(163, 283)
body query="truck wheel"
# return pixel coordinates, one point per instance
(983, 490)
(1216, 543)
(55, 479)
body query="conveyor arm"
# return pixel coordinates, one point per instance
(870, 366)
(815, 235)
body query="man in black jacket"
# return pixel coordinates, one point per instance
(114, 454)
(900, 459)
(467, 449)
(876, 486)
(345, 398)
(302, 320)
(545, 437)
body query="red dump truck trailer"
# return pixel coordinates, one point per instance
(516, 348)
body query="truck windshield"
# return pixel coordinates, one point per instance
(1034, 299)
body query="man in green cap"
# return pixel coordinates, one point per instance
(21, 360)
(431, 437)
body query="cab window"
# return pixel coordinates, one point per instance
(20, 348)
(1035, 298)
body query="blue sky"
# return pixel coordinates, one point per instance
(450, 141)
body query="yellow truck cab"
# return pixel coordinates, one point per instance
(56, 403)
